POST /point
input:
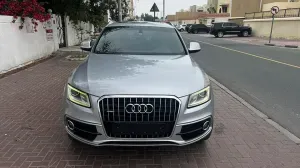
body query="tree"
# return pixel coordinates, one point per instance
(93, 11)
(142, 16)
(114, 11)
(148, 17)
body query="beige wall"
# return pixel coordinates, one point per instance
(196, 21)
(287, 28)
(281, 5)
(240, 7)
(270, 1)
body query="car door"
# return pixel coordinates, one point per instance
(226, 28)
(201, 28)
(234, 28)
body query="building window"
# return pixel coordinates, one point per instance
(220, 10)
(224, 9)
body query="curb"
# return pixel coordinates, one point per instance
(291, 46)
(268, 44)
(258, 113)
(286, 46)
(75, 59)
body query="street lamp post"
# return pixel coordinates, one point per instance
(120, 10)
(164, 10)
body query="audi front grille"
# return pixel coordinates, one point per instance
(139, 117)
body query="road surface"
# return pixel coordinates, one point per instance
(266, 77)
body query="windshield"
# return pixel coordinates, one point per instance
(140, 40)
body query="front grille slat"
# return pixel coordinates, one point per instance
(154, 109)
(148, 113)
(159, 120)
(165, 109)
(124, 110)
(119, 119)
(170, 111)
(107, 103)
(159, 108)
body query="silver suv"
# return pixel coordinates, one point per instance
(139, 86)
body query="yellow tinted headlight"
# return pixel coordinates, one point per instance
(78, 97)
(199, 97)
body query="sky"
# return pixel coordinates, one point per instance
(172, 6)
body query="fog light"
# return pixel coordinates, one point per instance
(206, 125)
(70, 125)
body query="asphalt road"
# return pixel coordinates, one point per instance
(266, 77)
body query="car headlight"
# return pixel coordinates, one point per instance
(78, 97)
(199, 97)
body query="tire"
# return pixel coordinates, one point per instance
(245, 33)
(220, 34)
(216, 36)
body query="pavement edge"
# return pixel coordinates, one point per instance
(259, 113)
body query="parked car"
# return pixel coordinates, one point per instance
(227, 28)
(198, 28)
(131, 94)
(181, 28)
(187, 27)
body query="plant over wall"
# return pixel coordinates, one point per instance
(22, 9)
(93, 11)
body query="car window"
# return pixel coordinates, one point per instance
(226, 24)
(140, 40)
(233, 24)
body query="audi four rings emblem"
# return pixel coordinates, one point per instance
(139, 108)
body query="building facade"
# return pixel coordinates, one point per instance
(224, 6)
(240, 7)
(193, 8)
(212, 6)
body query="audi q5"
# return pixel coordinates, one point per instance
(139, 86)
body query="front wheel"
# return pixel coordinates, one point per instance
(245, 33)
(220, 34)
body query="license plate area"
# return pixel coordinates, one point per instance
(139, 130)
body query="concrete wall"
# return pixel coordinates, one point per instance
(281, 5)
(286, 28)
(208, 21)
(19, 47)
(73, 36)
(240, 7)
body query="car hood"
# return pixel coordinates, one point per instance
(112, 74)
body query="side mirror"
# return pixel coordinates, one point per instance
(87, 45)
(194, 47)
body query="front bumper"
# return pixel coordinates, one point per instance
(90, 130)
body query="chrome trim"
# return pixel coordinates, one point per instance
(179, 143)
(193, 122)
(95, 124)
(139, 96)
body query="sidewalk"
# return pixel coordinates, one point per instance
(32, 132)
(263, 41)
